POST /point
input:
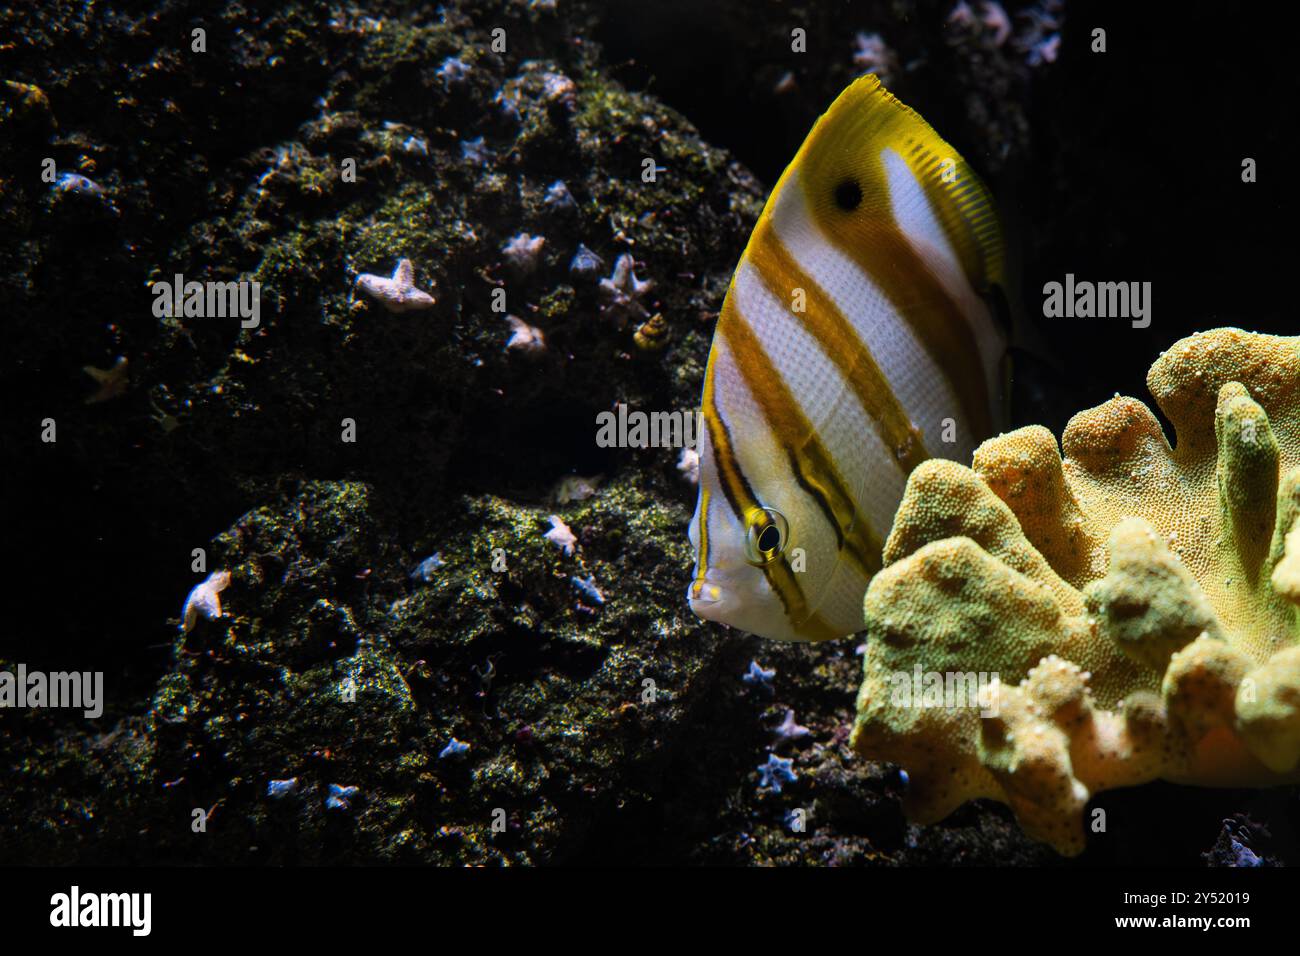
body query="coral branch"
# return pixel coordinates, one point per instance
(1134, 604)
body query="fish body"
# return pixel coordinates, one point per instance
(853, 344)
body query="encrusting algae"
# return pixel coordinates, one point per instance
(1135, 605)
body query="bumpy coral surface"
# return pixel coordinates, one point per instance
(1134, 606)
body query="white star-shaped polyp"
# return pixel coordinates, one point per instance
(622, 291)
(523, 252)
(524, 337)
(205, 599)
(688, 463)
(396, 293)
(560, 535)
(112, 382)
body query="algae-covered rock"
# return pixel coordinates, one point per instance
(509, 681)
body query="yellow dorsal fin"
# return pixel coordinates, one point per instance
(960, 201)
(964, 208)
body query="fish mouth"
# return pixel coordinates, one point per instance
(706, 599)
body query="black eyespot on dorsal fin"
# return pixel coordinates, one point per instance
(848, 195)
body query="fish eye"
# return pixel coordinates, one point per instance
(848, 195)
(767, 536)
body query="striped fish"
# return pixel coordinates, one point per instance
(853, 344)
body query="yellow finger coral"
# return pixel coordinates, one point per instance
(1131, 608)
